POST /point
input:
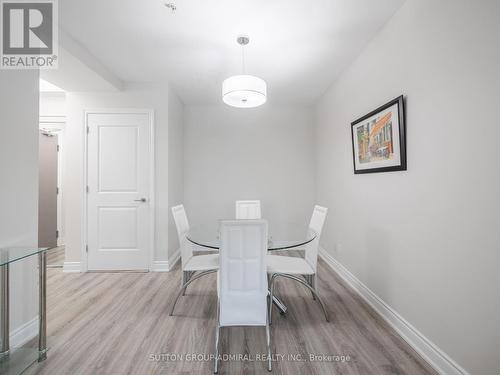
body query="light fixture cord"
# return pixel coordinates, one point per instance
(243, 58)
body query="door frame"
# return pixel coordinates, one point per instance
(152, 174)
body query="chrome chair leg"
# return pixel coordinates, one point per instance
(271, 296)
(217, 340)
(186, 277)
(217, 332)
(313, 285)
(183, 282)
(303, 282)
(311, 280)
(191, 279)
(268, 338)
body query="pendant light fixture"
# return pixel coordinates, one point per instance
(244, 91)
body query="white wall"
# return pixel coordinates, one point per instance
(263, 153)
(175, 166)
(52, 104)
(427, 240)
(19, 186)
(131, 97)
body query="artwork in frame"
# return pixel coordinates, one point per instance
(379, 139)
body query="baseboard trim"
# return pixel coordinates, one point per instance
(160, 266)
(433, 355)
(24, 333)
(166, 265)
(174, 259)
(72, 267)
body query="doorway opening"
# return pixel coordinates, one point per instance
(51, 152)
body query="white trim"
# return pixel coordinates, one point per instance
(433, 355)
(83, 191)
(172, 260)
(152, 179)
(60, 200)
(59, 121)
(166, 265)
(152, 186)
(160, 266)
(24, 333)
(70, 267)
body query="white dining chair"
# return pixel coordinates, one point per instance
(242, 287)
(248, 210)
(190, 264)
(302, 270)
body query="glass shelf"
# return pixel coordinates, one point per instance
(13, 254)
(18, 360)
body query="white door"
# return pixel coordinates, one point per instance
(118, 201)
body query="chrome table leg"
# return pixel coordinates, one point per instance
(276, 301)
(42, 306)
(280, 305)
(4, 311)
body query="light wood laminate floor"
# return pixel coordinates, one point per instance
(55, 257)
(119, 323)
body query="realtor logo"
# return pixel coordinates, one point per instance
(29, 34)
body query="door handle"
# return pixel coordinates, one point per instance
(143, 200)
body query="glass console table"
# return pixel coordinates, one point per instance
(17, 360)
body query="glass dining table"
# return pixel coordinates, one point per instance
(282, 236)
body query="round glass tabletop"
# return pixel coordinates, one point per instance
(281, 235)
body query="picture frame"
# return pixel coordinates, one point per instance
(379, 139)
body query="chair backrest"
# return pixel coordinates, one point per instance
(316, 224)
(242, 277)
(249, 210)
(182, 225)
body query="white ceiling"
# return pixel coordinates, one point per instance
(298, 47)
(48, 87)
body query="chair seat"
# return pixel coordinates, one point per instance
(203, 263)
(290, 265)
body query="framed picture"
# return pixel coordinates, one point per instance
(379, 139)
